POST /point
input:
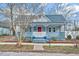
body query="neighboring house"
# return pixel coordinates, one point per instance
(72, 29)
(72, 33)
(4, 28)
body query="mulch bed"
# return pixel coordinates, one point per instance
(61, 42)
(16, 41)
(7, 36)
(65, 41)
(7, 39)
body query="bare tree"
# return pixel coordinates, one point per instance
(24, 18)
(20, 12)
(64, 9)
(68, 12)
(8, 13)
(11, 6)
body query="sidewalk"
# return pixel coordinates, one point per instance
(35, 54)
(53, 44)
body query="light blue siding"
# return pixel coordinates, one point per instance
(28, 34)
(62, 36)
(55, 35)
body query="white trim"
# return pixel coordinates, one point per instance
(39, 34)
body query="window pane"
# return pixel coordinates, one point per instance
(49, 29)
(30, 29)
(53, 29)
(35, 28)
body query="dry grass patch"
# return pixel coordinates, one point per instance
(62, 49)
(15, 48)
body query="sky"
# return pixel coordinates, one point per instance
(50, 8)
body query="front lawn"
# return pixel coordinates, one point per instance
(62, 49)
(52, 49)
(15, 48)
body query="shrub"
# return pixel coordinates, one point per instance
(69, 37)
(77, 37)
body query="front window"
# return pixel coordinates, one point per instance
(49, 29)
(30, 29)
(53, 29)
(35, 28)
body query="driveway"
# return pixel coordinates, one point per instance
(34, 54)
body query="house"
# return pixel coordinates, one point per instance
(44, 28)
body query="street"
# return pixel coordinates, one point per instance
(34, 54)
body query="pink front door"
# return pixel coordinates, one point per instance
(39, 29)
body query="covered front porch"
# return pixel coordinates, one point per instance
(45, 31)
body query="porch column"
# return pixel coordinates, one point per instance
(32, 28)
(45, 28)
(59, 28)
(63, 28)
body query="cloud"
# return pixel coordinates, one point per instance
(76, 7)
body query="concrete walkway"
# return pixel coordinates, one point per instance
(53, 44)
(38, 48)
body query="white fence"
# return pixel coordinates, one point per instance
(72, 33)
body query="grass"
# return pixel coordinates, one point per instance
(62, 49)
(56, 49)
(52, 49)
(15, 48)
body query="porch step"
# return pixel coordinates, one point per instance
(39, 40)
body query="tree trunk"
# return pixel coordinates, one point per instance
(13, 33)
(19, 43)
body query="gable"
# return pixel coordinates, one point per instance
(42, 19)
(56, 18)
